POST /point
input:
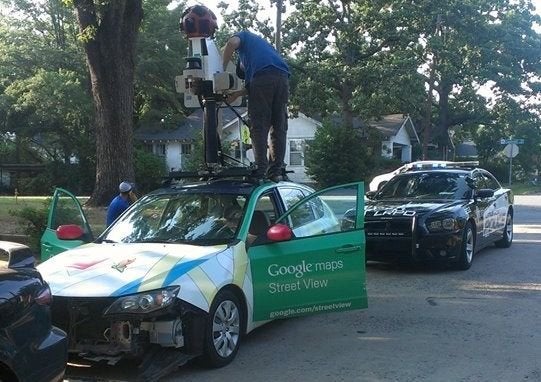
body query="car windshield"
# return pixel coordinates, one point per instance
(192, 218)
(426, 185)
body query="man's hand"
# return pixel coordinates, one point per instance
(231, 97)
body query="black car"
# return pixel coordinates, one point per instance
(440, 213)
(31, 349)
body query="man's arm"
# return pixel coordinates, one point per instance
(232, 44)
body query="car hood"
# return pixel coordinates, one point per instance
(103, 270)
(390, 208)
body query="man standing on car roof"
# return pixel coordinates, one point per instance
(121, 202)
(267, 86)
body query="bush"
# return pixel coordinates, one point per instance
(340, 155)
(78, 178)
(149, 171)
(35, 220)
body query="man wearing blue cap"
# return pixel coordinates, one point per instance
(121, 202)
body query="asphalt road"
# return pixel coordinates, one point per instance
(422, 324)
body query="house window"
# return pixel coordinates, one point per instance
(159, 149)
(297, 148)
(186, 148)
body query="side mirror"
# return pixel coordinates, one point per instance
(279, 232)
(69, 232)
(370, 194)
(484, 193)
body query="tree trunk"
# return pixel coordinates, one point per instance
(110, 33)
(346, 93)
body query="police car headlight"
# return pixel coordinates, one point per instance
(145, 302)
(439, 225)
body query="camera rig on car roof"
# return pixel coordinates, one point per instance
(204, 84)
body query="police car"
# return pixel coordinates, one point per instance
(179, 272)
(443, 212)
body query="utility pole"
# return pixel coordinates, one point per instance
(278, 36)
(427, 118)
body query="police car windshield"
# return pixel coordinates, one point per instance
(426, 185)
(192, 218)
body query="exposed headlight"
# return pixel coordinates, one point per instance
(447, 224)
(144, 302)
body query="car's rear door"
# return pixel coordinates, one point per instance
(64, 209)
(322, 268)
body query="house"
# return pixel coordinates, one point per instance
(176, 144)
(399, 134)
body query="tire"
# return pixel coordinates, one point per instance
(467, 249)
(223, 330)
(507, 234)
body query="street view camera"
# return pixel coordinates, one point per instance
(203, 82)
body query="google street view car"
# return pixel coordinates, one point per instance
(193, 267)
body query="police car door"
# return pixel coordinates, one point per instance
(499, 206)
(322, 267)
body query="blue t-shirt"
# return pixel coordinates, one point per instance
(256, 54)
(117, 206)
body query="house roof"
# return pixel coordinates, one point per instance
(390, 125)
(466, 149)
(186, 130)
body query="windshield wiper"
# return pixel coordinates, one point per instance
(107, 241)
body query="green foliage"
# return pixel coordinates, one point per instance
(161, 50)
(77, 177)
(35, 220)
(196, 160)
(339, 154)
(149, 171)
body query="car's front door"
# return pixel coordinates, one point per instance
(64, 209)
(322, 267)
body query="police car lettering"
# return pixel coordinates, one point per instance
(394, 212)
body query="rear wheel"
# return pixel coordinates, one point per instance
(507, 235)
(223, 332)
(467, 249)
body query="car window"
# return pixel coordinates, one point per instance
(290, 196)
(194, 218)
(301, 215)
(66, 212)
(266, 204)
(491, 182)
(325, 213)
(479, 181)
(426, 185)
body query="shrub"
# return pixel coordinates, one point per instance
(35, 220)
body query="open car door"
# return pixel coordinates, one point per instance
(67, 226)
(314, 258)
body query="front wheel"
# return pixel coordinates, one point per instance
(507, 235)
(467, 249)
(223, 331)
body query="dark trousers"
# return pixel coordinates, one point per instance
(267, 108)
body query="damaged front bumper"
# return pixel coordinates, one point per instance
(101, 328)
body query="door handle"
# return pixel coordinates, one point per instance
(348, 248)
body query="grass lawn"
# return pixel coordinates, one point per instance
(10, 224)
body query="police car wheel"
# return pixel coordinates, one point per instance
(223, 331)
(507, 235)
(468, 248)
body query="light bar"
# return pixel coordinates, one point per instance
(440, 164)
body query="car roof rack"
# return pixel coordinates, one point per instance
(246, 174)
(427, 165)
